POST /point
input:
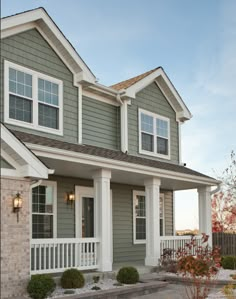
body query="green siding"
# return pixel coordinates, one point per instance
(124, 250)
(30, 49)
(101, 124)
(152, 99)
(5, 164)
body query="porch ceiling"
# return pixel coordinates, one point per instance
(84, 171)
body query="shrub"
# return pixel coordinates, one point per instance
(229, 262)
(40, 286)
(72, 279)
(128, 275)
(167, 263)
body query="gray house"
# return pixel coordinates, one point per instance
(88, 171)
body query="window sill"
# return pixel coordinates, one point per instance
(33, 127)
(146, 153)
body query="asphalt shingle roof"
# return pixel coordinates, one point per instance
(127, 83)
(104, 153)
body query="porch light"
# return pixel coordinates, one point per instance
(17, 205)
(70, 197)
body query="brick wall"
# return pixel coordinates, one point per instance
(15, 239)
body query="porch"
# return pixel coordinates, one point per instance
(57, 255)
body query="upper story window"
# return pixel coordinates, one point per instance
(154, 134)
(32, 99)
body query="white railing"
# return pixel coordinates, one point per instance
(173, 243)
(57, 255)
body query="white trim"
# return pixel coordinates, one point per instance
(142, 193)
(124, 126)
(9, 159)
(33, 167)
(162, 198)
(180, 142)
(55, 153)
(174, 210)
(80, 109)
(81, 191)
(135, 193)
(39, 19)
(35, 76)
(100, 98)
(155, 117)
(141, 84)
(52, 184)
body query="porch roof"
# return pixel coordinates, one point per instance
(108, 154)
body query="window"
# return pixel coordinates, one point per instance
(32, 99)
(44, 211)
(87, 217)
(139, 216)
(154, 134)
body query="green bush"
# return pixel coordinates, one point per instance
(72, 279)
(128, 275)
(40, 286)
(229, 262)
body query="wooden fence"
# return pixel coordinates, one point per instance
(226, 241)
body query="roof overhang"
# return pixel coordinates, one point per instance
(167, 88)
(82, 165)
(24, 163)
(40, 20)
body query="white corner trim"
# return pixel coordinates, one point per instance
(124, 126)
(80, 109)
(180, 142)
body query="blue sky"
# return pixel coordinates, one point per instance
(194, 41)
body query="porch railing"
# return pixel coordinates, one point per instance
(57, 255)
(175, 242)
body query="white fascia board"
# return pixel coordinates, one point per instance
(18, 23)
(36, 167)
(135, 88)
(54, 153)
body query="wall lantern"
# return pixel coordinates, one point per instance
(70, 197)
(17, 205)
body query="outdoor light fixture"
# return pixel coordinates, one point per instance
(17, 205)
(70, 197)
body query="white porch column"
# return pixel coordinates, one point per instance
(103, 218)
(152, 192)
(204, 204)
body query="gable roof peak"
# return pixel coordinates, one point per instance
(129, 82)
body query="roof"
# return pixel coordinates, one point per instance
(105, 153)
(127, 83)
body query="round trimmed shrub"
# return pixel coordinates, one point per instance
(40, 286)
(128, 275)
(72, 279)
(229, 262)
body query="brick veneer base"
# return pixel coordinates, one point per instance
(15, 239)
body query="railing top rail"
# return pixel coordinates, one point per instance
(64, 241)
(169, 238)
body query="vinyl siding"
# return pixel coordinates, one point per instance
(152, 99)
(124, 250)
(101, 124)
(30, 50)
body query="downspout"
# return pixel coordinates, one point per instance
(216, 189)
(80, 114)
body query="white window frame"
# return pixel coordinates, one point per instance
(155, 117)
(35, 76)
(52, 184)
(142, 193)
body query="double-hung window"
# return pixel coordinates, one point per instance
(44, 210)
(32, 99)
(154, 134)
(139, 216)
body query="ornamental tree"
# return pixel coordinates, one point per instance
(224, 201)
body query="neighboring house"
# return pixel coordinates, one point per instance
(95, 167)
